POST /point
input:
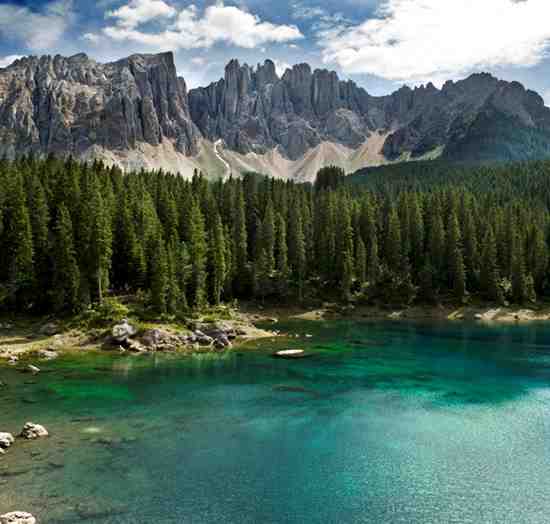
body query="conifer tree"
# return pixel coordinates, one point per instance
(281, 253)
(159, 277)
(40, 218)
(17, 249)
(66, 275)
(361, 261)
(456, 272)
(240, 244)
(198, 251)
(489, 277)
(217, 257)
(393, 247)
(297, 248)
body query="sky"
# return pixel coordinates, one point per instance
(381, 44)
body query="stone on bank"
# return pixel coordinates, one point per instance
(17, 517)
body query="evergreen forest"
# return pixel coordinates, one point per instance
(72, 234)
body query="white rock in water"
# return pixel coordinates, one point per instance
(33, 369)
(17, 517)
(290, 352)
(33, 431)
(6, 440)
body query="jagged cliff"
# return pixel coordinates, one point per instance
(136, 112)
(68, 105)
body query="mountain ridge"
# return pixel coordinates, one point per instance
(138, 111)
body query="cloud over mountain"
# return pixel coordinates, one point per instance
(411, 40)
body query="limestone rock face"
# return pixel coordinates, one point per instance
(253, 110)
(137, 110)
(256, 111)
(67, 105)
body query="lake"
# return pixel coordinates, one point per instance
(387, 422)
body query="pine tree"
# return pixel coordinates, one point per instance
(217, 258)
(297, 248)
(281, 254)
(66, 275)
(393, 247)
(40, 218)
(489, 277)
(456, 272)
(198, 251)
(416, 234)
(17, 249)
(345, 248)
(436, 242)
(522, 283)
(159, 277)
(538, 257)
(240, 244)
(471, 251)
(361, 261)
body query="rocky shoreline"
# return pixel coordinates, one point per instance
(489, 314)
(43, 341)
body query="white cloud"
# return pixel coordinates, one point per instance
(189, 29)
(91, 37)
(425, 39)
(8, 60)
(198, 60)
(303, 12)
(281, 67)
(138, 12)
(36, 30)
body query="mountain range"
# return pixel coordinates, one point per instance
(136, 112)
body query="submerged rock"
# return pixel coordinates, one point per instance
(123, 331)
(17, 517)
(33, 431)
(291, 353)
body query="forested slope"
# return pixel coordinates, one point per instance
(72, 233)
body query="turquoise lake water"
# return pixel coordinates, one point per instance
(386, 423)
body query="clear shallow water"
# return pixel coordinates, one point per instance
(389, 422)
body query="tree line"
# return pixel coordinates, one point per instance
(71, 233)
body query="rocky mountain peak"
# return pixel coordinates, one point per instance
(69, 105)
(76, 105)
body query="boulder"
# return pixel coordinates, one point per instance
(32, 369)
(17, 517)
(50, 329)
(48, 354)
(33, 431)
(6, 440)
(222, 342)
(159, 340)
(12, 360)
(123, 331)
(203, 339)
